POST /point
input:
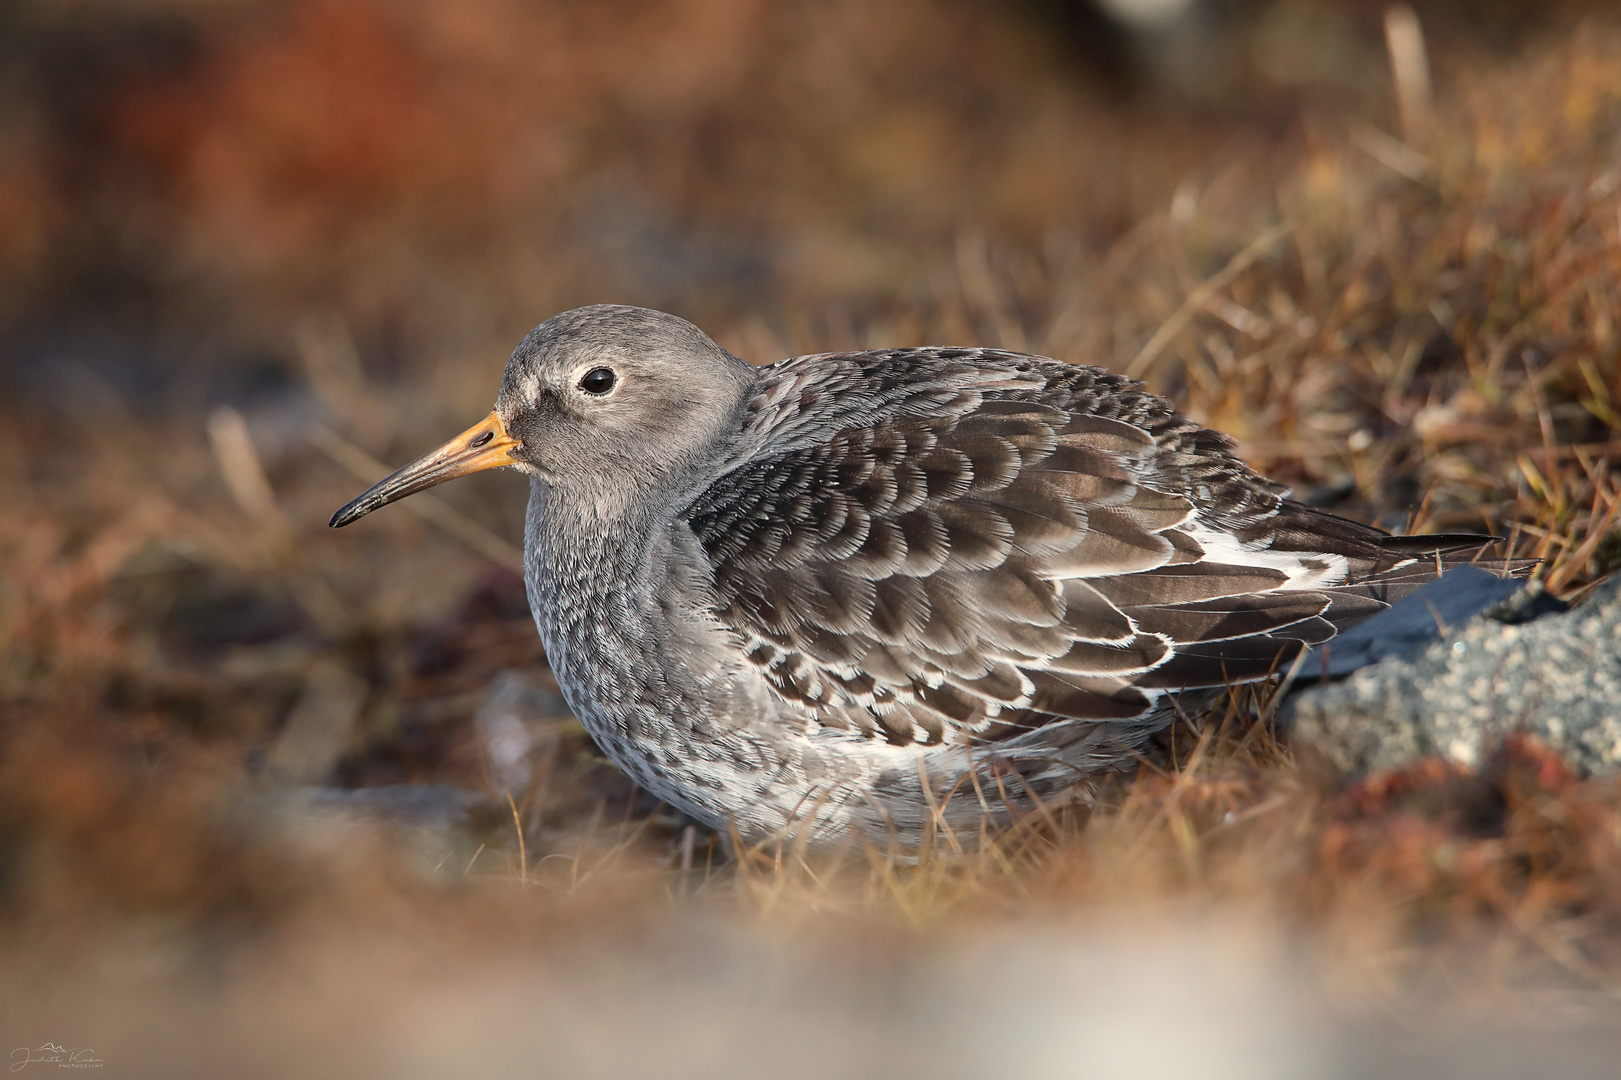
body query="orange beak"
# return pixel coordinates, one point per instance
(485, 445)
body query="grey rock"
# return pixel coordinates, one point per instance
(1557, 678)
(1450, 600)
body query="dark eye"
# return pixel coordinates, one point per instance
(597, 380)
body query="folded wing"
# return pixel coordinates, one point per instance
(924, 544)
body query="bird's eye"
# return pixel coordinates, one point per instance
(597, 380)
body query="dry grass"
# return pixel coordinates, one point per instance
(1421, 333)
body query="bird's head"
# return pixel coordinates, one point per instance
(600, 402)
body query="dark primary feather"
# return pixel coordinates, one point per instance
(919, 543)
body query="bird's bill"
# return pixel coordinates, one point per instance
(485, 445)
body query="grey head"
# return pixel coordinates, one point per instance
(619, 394)
(605, 404)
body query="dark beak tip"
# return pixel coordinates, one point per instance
(471, 451)
(346, 515)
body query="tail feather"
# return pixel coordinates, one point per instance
(1381, 570)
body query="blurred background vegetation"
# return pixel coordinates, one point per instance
(181, 183)
(251, 250)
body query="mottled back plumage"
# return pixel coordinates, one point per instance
(927, 543)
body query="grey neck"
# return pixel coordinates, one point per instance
(585, 568)
(626, 613)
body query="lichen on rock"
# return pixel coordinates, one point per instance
(1557, 679)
